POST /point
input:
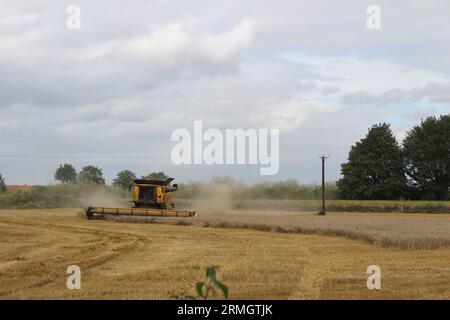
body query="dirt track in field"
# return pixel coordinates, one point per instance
(153, 261)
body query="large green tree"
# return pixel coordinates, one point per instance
(375, 167)
(427, 156)
(124, 179)
(2, 184)
(91, 175)
(66, 174)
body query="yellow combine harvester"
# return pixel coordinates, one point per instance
(150, 198)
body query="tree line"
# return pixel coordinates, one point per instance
(378, 168)
(66, 174)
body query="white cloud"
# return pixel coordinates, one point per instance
(375, 75)
(175, 43)
(223, 46)
(163, 45)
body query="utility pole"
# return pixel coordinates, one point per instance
(323, 157)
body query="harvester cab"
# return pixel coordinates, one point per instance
(155, 194)
(150, 198)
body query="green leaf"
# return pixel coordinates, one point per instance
(211, 272)
(199, 287)
(222, 287)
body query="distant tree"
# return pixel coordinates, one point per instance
(66, 174)
(91, 175)
(156, 176)
(124, 179)
(427, 156)
(2, 184)
(375, 167)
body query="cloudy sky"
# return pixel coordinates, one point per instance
(111, 93)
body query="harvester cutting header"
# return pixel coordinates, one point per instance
(150, 198)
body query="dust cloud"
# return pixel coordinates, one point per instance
(101, 197)
(214, 199)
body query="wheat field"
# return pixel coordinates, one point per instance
(154, 261)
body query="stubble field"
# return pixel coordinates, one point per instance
(307, 257)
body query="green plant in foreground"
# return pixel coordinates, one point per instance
(205, 289)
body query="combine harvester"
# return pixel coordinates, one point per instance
(150, 198)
